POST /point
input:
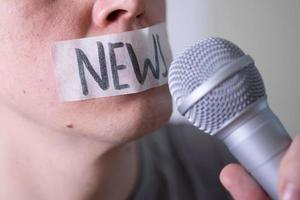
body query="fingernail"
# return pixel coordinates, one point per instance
(291, 193)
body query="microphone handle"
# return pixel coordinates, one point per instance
(258, 141)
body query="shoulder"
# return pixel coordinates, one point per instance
(187, 142)
(180, 156)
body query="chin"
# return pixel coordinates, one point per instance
(119, 119)
(142, 114)
(154, 112)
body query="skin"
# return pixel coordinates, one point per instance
(81, 150)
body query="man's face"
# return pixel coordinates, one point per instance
(28, 29)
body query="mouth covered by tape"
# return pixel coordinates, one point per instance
(111, 65)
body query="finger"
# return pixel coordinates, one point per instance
(240, 184)
(289, 173)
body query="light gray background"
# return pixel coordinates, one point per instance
(267, 30)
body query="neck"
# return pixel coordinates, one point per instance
(40, 164)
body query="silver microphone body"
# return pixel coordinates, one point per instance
(229, 102)
(258, 141)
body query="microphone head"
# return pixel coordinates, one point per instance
(229, 98)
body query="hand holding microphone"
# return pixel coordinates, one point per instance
(219, 89)
(242, 186)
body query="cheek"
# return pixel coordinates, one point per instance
(27, 75)
(28, 83)
(26, 71)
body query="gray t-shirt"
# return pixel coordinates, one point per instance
(178, 162)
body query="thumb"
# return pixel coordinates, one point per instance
(240, 184)
(289, 173)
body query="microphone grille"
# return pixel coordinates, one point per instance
(196, 65)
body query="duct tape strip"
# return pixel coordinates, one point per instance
(111, 65)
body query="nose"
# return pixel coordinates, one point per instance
(120, 15)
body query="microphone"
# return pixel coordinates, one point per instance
(219, 89)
